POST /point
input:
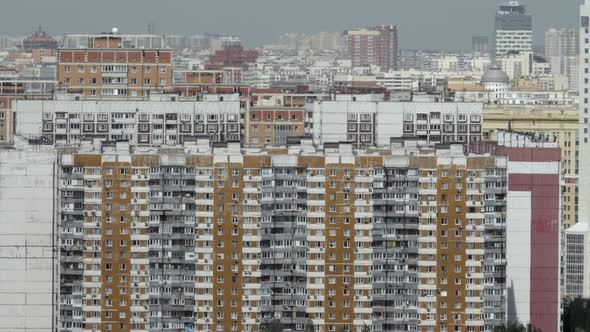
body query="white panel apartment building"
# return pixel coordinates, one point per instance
(159, 121)
(363, 122)
(577, 277)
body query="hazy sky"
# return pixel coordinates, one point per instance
(437, 24)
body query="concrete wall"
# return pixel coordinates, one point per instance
(26, 240)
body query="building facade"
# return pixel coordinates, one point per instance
(513, 29)
(274, 125)
(6, 120)
(375, 46)
(577, 256)
(561, 42)
(163, 120)
(365, 122)
(108, 69)
(229, 239)
(559, 124)
(28, 233)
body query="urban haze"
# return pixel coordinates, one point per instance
(302, 166)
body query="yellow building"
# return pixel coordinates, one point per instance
(559, 122)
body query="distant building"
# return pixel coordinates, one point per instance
(160, 120)
(375, 46)
(480, 44)
(39, 40)
(551, 122)
(496, 81)
(513, 29)
(6, 120)
(516, 65)
(232, 56)
(561, 42)
(108, 68)
(364, 120)
(268, 126)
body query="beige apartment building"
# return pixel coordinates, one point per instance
(560, 123)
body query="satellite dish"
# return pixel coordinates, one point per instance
(115, 30)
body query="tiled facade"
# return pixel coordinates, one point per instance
(114, 71)
(226, 239)
(272, 126)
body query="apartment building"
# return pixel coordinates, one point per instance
(108, 68)
(366, 120)
(533, 231)
(226, 238)
(154, 121)
(375, 46)
(559, 124)
(6, 120)
(577, 280)
(272, 126)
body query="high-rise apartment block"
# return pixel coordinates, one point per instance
(549, 122)
(365, 122)
(376, 46)
(226, 239)
(163, 120)
(561, 42)
(480, 44)
(513, 29)
(107, 68)
(577, 238)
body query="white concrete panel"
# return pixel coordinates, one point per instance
(521, 167)
(518, 253)
(26, 228)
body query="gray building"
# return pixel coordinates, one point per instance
(480, 44)
(513, 29)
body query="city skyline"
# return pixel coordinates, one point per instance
(266, 166)
(425, 33)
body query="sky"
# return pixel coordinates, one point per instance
(422, 24)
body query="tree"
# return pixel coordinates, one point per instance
(516, 326)
(366, 328)
(576, 315)
(272, 326)
(309, 326)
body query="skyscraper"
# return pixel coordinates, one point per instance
(513, 29)
(375, 46)
(480, 44)
(561, 42)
